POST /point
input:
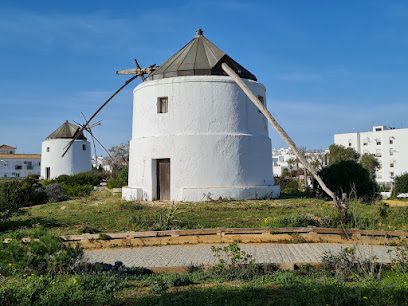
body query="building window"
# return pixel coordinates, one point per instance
(378, 154)
(378, 142)
(391, 174)
(18, 167)
(379, 167)
(366, 152)
(391, 152)
(29, 165)
(392, 165)
(378, 129)
(379, 175)
(48, 149)
(365, 143)
(84, 147)
(162, 105)
(391, 140)
(5, 174)
(17, 174)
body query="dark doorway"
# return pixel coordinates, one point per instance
(48, 173)
(163, 179)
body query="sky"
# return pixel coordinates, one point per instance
(328, 66)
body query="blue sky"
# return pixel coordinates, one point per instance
(328, 66)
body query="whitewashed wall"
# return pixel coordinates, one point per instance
(76, 160)
(392, 154)
(18, 165)
(216, 139)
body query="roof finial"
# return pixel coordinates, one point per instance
(199, 32)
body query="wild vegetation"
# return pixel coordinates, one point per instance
(240, 283)
(106, 212)
(37, 269)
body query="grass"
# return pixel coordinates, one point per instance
(203, 288)
(106, 212)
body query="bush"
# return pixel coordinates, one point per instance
(289, 186)
(121, 180)
(83, 178)
(77, 190)
(346, 176)
(400, 184)
(55, 193)
(15, 194)
(42, 254)
(11, 197)
(60, 290)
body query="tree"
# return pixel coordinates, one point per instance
(369, 162)
(346, 176)
(119, 157)
(400, 184)
(340, 153)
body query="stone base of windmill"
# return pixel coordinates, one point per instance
(211, 193)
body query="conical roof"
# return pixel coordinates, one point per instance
(199, 57)
(66, 130)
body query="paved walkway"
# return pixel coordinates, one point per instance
(185, 255)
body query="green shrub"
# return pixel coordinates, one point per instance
(83, 178)
(42, 254)
(347, 176)
(55, 193)
(121, 180)
(289, 187)
(400, 184)
(77, 190)
(18, 193)
(60, 290)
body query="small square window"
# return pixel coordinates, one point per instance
(392, 174)
(365, 143)
(378, 142)
(162, 105)
(391, 141)
(391, 152)
(84, 147)
(48, 149)
(392, 165)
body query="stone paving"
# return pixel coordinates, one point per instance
(185, 255)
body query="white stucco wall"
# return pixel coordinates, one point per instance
(75, 161)
(19, 165)
(216, 139)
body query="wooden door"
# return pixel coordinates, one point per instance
(163, 179)
(48, 173)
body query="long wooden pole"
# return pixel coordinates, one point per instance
(79, 131)
(277, 127)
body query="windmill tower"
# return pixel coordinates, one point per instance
(77, 159)
(196, 135)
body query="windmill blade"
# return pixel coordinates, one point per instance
(101, 144)
(79, 131)
(138, 67)
(77, 123)
(95, 124)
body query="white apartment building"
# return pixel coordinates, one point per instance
(14, 165)
(389, 145)
(98, 161)
(285, 159)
